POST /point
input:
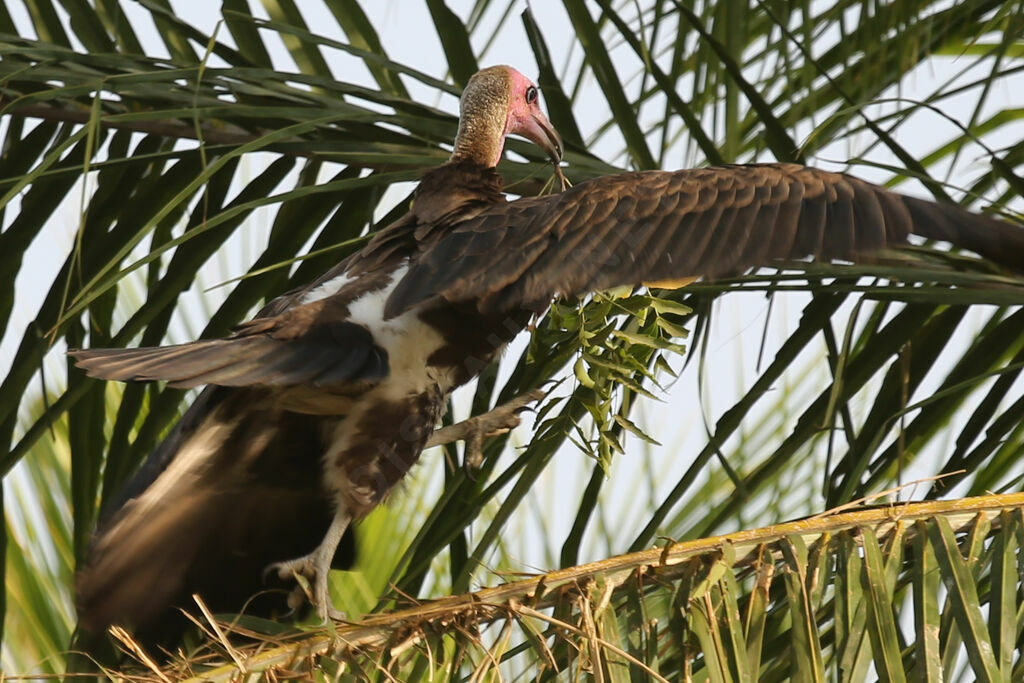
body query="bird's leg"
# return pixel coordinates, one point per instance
(473, 430)
(317, 565)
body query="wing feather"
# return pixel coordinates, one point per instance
(727, 239)
(655, 225)
(760, 233)
(326, 353)
(868, 233)
(837, 240)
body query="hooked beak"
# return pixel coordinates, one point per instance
(538, 130)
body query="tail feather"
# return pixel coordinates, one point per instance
(242, 491)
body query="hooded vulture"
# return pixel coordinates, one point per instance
(317, 407)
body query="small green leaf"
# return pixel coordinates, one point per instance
(882, 629)
(582, 375)
(964, 600)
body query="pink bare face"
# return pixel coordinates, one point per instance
(526, 118)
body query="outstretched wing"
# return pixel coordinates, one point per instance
(655, 226)
(261, 353)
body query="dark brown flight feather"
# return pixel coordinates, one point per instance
(632, 228)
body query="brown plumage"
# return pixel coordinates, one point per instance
(326, 399)
(656, 225)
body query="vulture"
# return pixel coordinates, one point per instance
(316, 408)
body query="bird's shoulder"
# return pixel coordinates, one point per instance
(452, 193)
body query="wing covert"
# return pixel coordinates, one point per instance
(649, 226)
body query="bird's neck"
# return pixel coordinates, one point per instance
(481, 136)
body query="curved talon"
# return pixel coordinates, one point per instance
(315, 566)
(295, 600)
(305, 566)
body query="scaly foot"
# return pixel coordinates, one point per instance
(475, 429)
(316, 566)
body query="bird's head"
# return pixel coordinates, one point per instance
(500, 101)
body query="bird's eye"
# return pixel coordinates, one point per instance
(531, 95)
